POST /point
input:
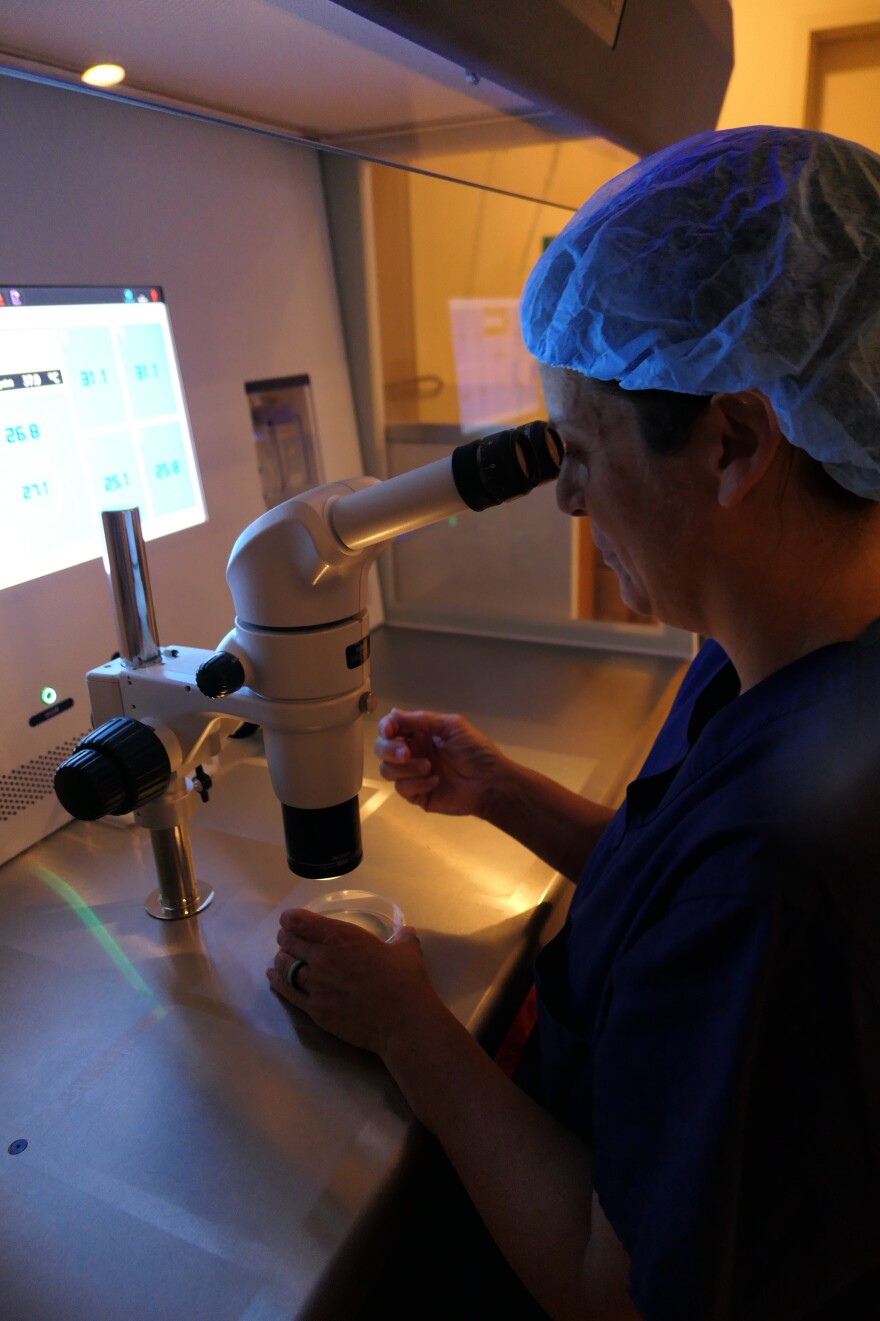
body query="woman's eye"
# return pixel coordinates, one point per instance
(575, 449)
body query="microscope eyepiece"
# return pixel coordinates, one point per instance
(545, 447)
(507, 464)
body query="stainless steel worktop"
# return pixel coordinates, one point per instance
(194, 1147)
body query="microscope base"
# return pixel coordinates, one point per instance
(154, 906)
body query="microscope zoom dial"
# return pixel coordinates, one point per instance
(220, 675)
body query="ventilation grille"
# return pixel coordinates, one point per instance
(33, 781)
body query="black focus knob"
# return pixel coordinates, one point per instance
(88, 785)
(220, 675)
(115, 768)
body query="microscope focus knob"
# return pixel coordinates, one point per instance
(220, 675)
(115, 768)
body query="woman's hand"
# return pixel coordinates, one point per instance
(439, 762)
(349, 982)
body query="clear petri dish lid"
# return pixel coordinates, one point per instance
(376, 914)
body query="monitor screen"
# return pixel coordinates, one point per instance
(92, 417)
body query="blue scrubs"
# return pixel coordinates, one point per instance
(709, 1017)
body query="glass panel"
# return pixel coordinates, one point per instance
(451, 263)
(494, 566)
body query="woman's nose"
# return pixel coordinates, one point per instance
(570, 492)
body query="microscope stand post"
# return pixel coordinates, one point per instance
(178, 894)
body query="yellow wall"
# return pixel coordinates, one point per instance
(463, 242)
(771, 51)
(458, 241)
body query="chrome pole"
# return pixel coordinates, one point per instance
(130, 585)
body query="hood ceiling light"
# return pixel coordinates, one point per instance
(103, 75)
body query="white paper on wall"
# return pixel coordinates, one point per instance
(497, 378)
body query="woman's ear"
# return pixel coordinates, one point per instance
(741, 438)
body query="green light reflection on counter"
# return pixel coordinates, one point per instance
(95, 927)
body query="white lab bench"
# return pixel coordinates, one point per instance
(195, 1148)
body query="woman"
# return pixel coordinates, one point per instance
(695, 1130)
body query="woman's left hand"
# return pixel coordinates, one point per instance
(349, 982)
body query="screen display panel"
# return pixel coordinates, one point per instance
(92, 417)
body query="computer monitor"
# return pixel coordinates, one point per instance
(92, 417)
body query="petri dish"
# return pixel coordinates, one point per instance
(376, 914)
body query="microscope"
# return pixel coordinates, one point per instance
(296, 663)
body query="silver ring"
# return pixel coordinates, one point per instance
(292, 972)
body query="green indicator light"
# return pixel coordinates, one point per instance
(49, 696)
(452, 520)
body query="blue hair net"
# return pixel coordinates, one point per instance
(737, 259)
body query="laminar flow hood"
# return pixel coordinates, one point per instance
(638, 72)
(391, 79)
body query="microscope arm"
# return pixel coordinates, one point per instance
(296, 662)
(304, 563)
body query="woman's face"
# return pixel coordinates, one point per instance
(647, 511)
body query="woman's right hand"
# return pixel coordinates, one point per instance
(439, 762)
